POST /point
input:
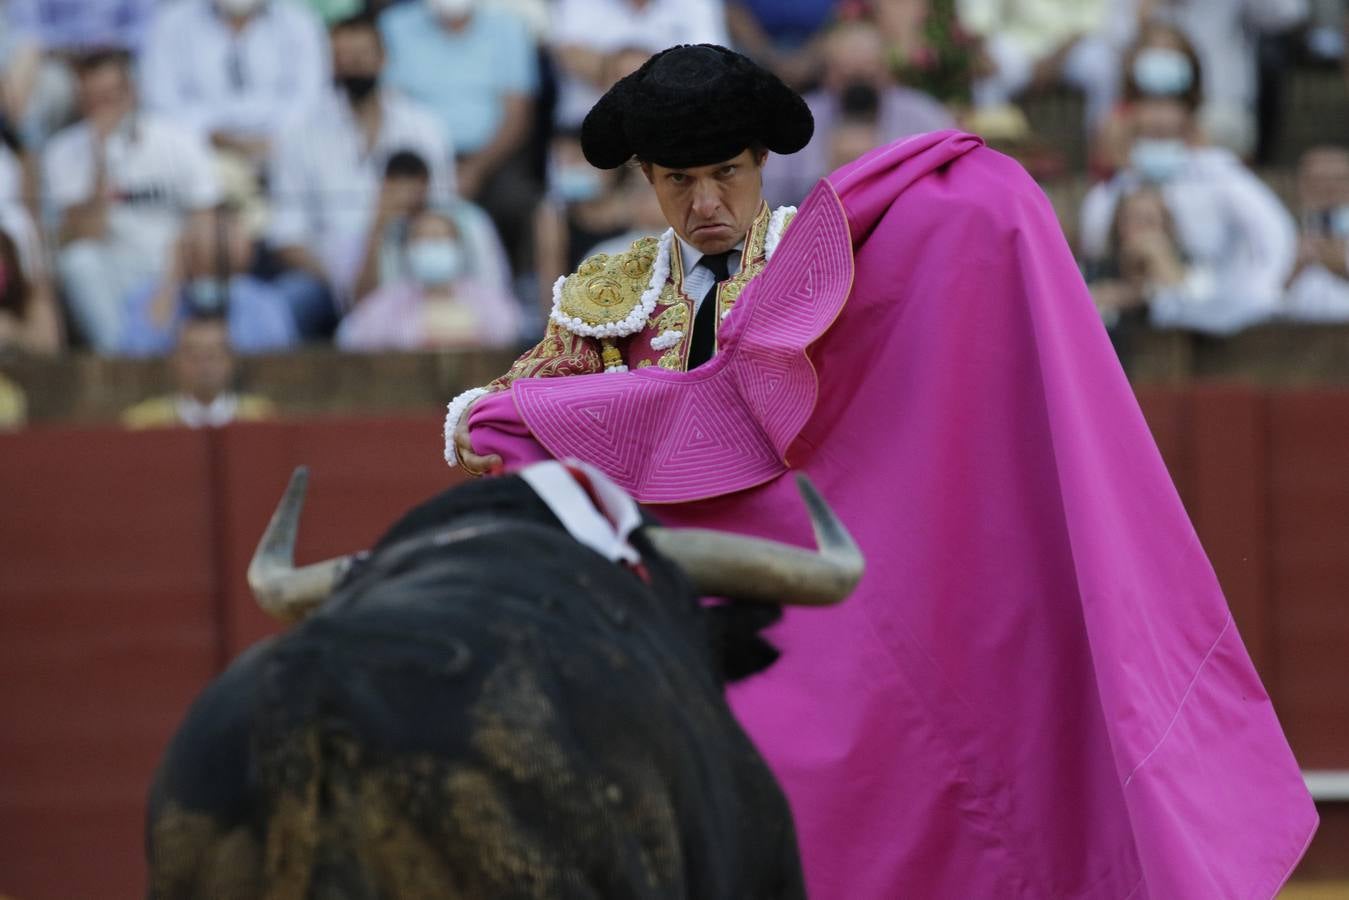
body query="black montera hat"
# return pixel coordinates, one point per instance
(694, 105)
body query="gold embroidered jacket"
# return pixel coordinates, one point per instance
(629, 310)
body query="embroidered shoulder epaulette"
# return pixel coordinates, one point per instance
(611, 296)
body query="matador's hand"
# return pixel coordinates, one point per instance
(470, 462)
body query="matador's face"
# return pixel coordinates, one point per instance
(711, 207)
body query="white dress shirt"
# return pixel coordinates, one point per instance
(195, 414)
(156, 172)
(607, 26)
(698, 280)
(325, 181)
(197, 70)
(1229, 224)
(1036, 27)
(1317, 295)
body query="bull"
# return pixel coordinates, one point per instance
(482, 707)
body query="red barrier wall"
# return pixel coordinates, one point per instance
(122, 590)
(108, 628)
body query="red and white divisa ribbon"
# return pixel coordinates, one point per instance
(593, 509)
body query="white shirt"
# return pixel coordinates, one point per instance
(11, 175)
(1317, 295)
(325, 182)
(195, 69)
(607, 26)
(1037, 27)
(156, 173)
(1229, 224)
(534, 13)
(698, 280)
(195, 414)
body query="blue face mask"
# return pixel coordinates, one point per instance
(1158, 161)
(1331, 223)
(1339, 222)
(576, 184)
(1162, 72)
(207, 296)
(435, 260)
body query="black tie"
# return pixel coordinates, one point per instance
(705, 322)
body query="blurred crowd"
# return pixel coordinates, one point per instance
(251, 175)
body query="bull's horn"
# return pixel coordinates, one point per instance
(283, 591)
(745, 568)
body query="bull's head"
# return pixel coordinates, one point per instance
(719, 564)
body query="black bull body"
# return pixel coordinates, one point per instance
(483, 708)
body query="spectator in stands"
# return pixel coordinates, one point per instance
(855, 129)
(325, 179)
(438, 305)
(643, 211)
(1162, 63)
(1225, 33)
(536, 14)
(929, 50)
(235, 70)
(47, 38)
(1327, 29)
(330, 12)
(204, 374)
(29, 321)
(1143, 260)
(405, 191)
(13, 405)
(1319, 288)
(586, 32)
(210, 277)
(36, 324)
(622, 63)
(15, 164)
(122, 183)
(1037, 43)
(584, 206)
(20, 173)
(476, 67)
(858, 99)
(1227, 222)
(781, 35)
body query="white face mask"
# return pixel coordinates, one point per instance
(1158, 161)
(451, 9)
(576, 184)
(239, 8)
(1163, 72)
(435, 260)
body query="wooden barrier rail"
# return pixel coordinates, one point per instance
(91, 389)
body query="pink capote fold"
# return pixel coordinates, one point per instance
(1037, 690)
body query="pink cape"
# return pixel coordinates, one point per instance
(1038, 689)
